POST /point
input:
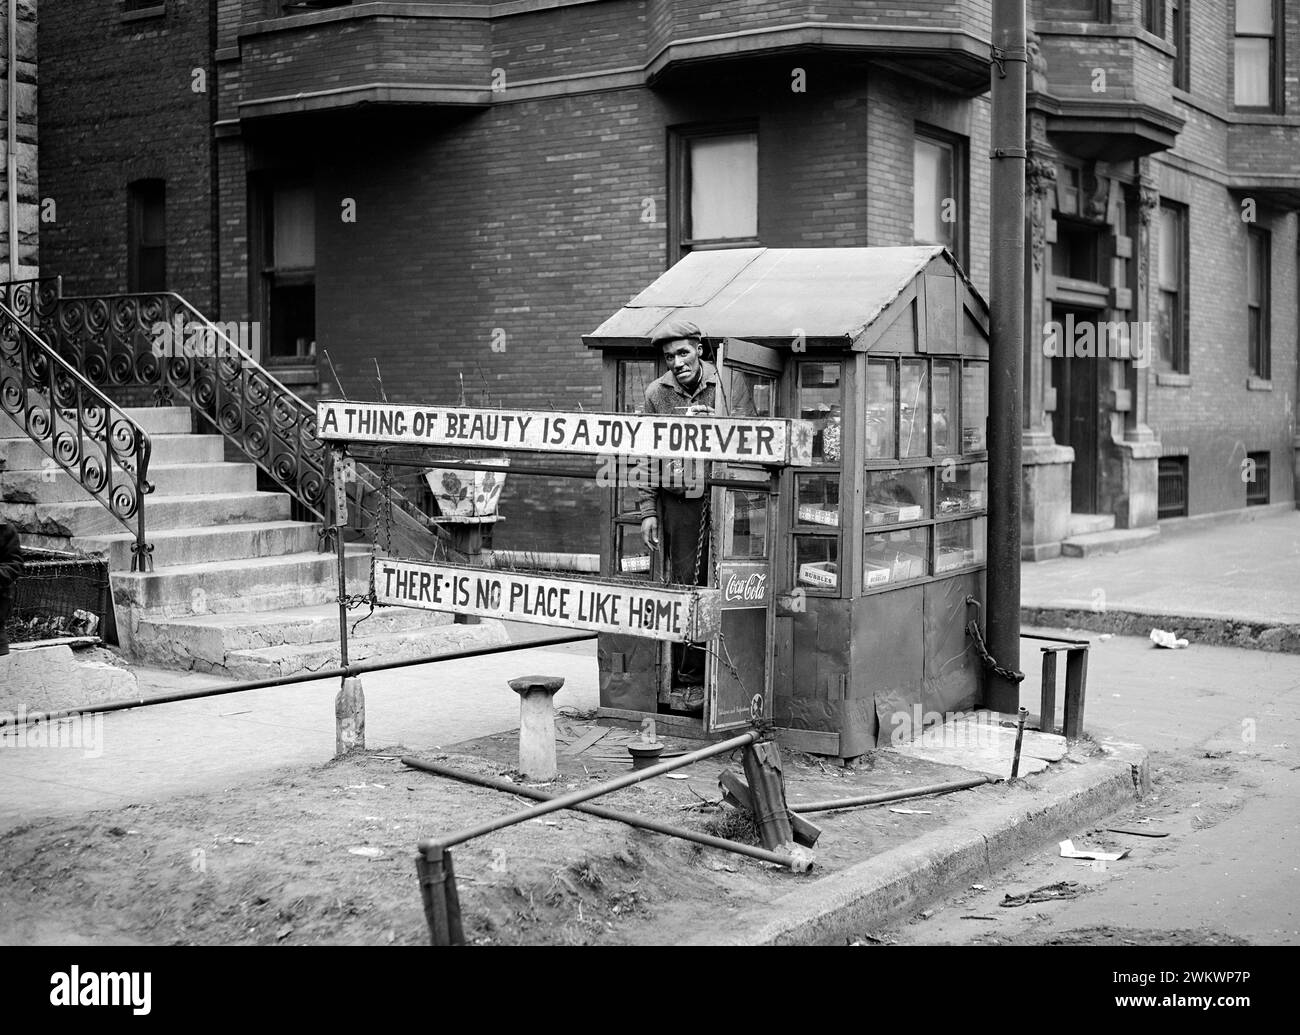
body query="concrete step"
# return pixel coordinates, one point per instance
(1114, 541)
(248, 584)
(55, 485)
(206, 641)
(1086, 524)
(178, 546)
(22, 454)
(90, 518)
(156, 420)
(268, 662)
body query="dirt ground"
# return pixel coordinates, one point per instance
(325, 854)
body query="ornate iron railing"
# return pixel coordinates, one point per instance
(162, 341)
(77, 426)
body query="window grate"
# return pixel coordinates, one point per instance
(1257, 490)
(1172, 487)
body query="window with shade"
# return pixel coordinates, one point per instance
(1256, 60)
(939, 191)
(286, 255)
(1258, 247)
(1171, 347)
(715, 184)
(146, 236)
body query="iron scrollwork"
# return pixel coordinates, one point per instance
(79, 428)
(163, 342)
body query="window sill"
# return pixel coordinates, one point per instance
(292, 373)
(1259, 384)
(143, 13)
(1171, 380)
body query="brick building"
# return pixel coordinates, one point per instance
(18, 212)
(459, 191)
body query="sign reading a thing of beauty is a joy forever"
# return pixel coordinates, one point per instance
(743, 440)
(657, 612)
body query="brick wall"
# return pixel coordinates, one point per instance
(1217, 419)
(528, 218)
(118, 103)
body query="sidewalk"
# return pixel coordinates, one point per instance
(1235, 584)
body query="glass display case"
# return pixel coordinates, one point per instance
(932, 478)
(816, 521)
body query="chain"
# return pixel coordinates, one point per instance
(385, 480)
(701, 539)
(990, 662)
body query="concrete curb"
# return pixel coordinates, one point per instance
(900, 881)
(1211, 630)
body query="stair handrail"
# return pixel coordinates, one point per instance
(72, 415)
(222, 382)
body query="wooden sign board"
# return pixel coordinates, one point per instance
(779, 442)
(656, 612)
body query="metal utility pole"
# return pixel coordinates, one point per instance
(1006, 347)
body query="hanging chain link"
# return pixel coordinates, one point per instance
(990, 662)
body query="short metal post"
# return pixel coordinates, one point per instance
(438, 892)
(1020, 735)
(762, 763)
(1047, 701)
(1076, 685)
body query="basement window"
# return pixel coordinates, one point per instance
(1172, 487)
(1256, 478)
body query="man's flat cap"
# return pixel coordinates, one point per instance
(675, 329)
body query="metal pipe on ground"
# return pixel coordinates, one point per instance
(877, 799)
(601, 812)
(301, 677)
(434, 844)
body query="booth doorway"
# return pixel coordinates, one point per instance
(1078, 404)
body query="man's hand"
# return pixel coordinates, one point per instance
(650, 532)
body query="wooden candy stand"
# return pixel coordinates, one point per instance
(844, 577)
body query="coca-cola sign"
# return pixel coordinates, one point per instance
(744, 585)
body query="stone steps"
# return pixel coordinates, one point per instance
(288, 640)
(244, 584)
(55, 485)
(269, 662)
(156, 420)
(237, 589)
(1087, 524)
(181, 546)
(22, 454)
(88, 517)
(1115, 541)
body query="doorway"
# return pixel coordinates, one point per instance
(1076, 422)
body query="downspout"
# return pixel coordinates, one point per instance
(11, 113)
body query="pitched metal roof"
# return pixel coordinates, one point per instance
(828, 293)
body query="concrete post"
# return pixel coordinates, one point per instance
(349, 718)
(537, 725)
